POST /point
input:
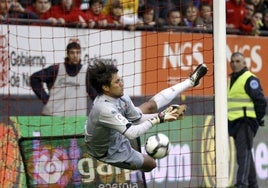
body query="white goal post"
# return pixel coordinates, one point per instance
(220, 84)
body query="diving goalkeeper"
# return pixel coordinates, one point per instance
(114, 120)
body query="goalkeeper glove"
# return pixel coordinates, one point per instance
(180, 110)
(171, 113)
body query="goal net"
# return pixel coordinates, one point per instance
(52, 150)
(49, 151)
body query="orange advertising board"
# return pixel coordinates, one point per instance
(255, 50)
(168, 58)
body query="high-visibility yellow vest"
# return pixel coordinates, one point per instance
(239, 99)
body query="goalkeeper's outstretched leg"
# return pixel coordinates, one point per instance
(165, 96)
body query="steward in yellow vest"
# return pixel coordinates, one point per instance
(239, 103)
(245, 99)
(246, 110)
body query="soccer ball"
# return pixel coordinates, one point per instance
(157, 146)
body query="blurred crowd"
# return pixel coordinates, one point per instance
(249, 17)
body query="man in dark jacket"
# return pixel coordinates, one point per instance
(66, 83)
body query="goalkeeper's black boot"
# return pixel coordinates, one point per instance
(198, 73)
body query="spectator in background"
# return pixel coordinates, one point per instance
(235, 13)
(257, 23)
(66, 83)
(206, 16)
(246, 110)
(161, 8)
(260, 5)
(250, 9)
(146, 15)
(130, 11)
(174, 18)
(242, 21)
(265, 21)
(66, 13)
(246, 27)
(115, 13)
(13, 9)
(183, 4)
(192, 18)
(40, 7)
(94, 15)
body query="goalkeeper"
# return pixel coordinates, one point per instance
(114, 120)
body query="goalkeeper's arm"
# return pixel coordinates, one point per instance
(133, 131)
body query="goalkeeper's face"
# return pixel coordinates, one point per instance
(116, 88)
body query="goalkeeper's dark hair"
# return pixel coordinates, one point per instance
(99, 74)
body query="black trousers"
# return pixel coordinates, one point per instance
(246, 174)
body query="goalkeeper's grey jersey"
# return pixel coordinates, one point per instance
(107, 121)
